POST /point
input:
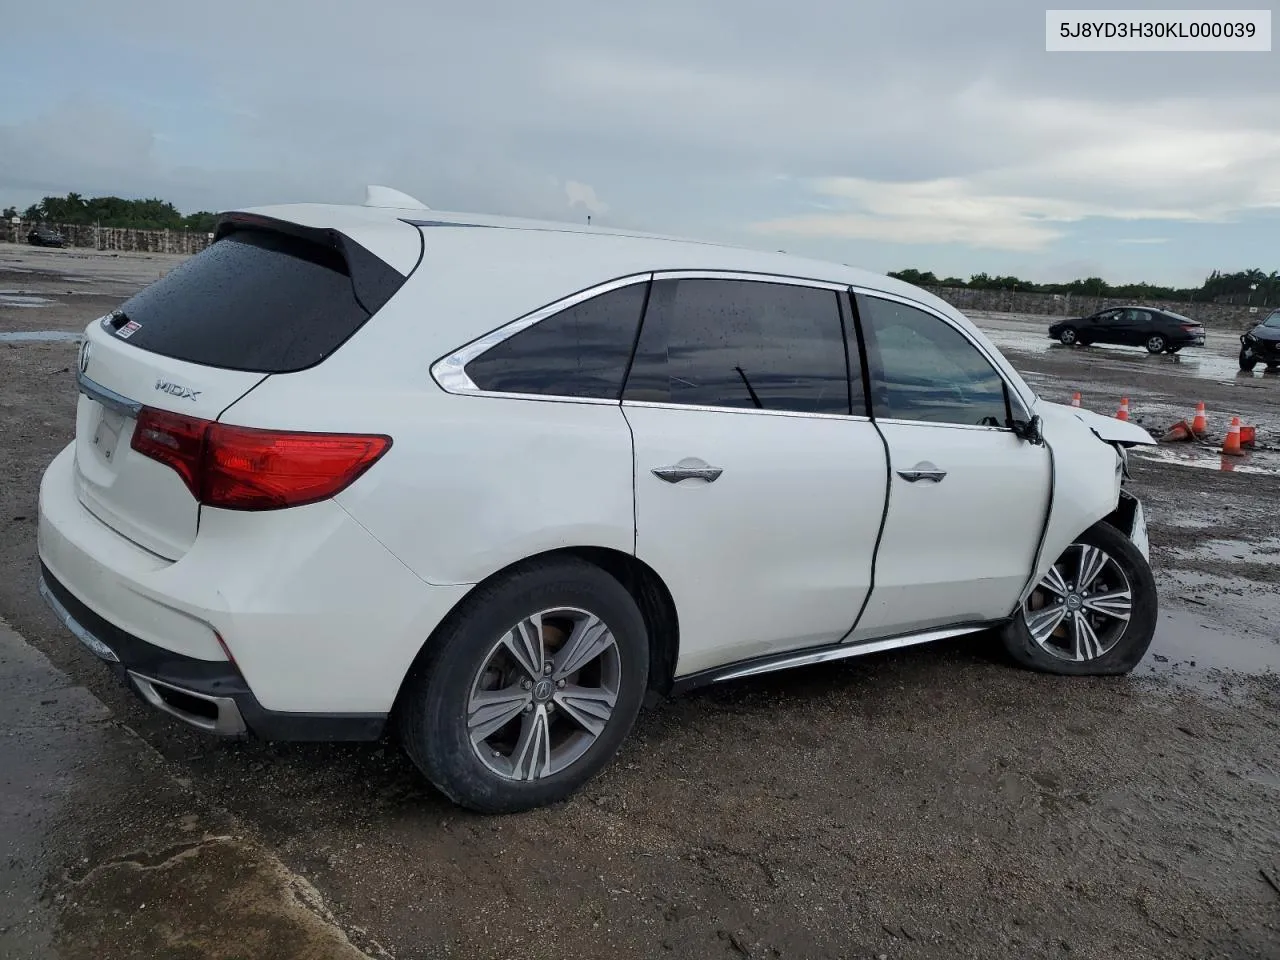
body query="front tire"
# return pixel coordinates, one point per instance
(1093, 614)
(1156, 343)
(1247, 360)
(1067, 336)
(529, 688)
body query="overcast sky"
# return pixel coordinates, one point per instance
(938, 135)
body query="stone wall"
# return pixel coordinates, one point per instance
(114, 238)
(1068, 305)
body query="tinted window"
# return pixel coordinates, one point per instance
(1273, 320)
(579, 352)
(927, 370)
(252, 301)
(742, 343)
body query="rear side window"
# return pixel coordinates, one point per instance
(255, 300)
(742, 344)
(582, 351)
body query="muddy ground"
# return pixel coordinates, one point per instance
(934, 802)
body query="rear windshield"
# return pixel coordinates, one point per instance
(254, 300)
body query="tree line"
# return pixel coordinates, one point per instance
(152, 214)
(1253, 287)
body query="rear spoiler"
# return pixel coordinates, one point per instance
(373, 279)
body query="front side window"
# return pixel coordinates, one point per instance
(580, 352)
(742, 344)
(924, 369)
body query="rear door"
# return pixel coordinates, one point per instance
(255, 303)
(759, 483)
(967, 498)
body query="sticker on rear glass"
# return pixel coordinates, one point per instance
(128, 330)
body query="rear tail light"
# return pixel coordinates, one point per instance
(240, 468)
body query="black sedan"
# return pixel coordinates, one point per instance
(46, 237)
(1262, 344)
(1160, 331)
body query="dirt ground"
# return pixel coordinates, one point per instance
(930, 803)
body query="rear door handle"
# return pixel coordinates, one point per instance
(923, 471)
(682, 471)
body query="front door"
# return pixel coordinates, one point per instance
(967, 498)
(759, 480)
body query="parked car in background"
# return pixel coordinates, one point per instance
(359, 467)
(1262, 344)
(46, 237)
(1160, 331)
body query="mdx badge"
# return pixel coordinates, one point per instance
(177, 390)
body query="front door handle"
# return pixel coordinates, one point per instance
(688, 471)
(923, 471)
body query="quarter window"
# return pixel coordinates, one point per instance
(743, 344)
(927, 370)
(581, 351)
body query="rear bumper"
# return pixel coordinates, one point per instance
(298, 617)
(211, 695)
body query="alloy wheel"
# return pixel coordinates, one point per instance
(1081, 608)
(1067, 336)
(543, 694)
(1155, 344)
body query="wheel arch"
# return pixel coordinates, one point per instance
(646, 587)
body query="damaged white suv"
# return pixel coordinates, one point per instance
(488, 482)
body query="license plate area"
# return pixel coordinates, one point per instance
(106, 433)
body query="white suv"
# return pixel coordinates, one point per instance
(496, 480)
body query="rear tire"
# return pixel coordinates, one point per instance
(1156, 343)
(1067, 336)
(474, 673)
(1106, 644)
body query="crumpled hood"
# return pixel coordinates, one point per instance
(1106, 428)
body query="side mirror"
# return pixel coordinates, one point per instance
(1029, 430)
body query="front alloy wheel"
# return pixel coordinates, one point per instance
(1080, 609)
(1067, 335)
(1094, 612)
(1155, 343)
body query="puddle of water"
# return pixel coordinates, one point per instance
(1235, 551)
(22, 300)
(1198, 362)
(1258, 463)
(1187, 647)
(40, 336)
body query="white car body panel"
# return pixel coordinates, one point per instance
(275, 586)
(957, 550)
(776, 552)
(325, 606)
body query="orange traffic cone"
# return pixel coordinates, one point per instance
(1248, 436)
(1123, 412)
(1231, 446)
(1200, 424)
(1075, 399)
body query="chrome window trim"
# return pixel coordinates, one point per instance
(1014, 393)
(703, 408)
(450, 374)
(750, 277)
(935, 423)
